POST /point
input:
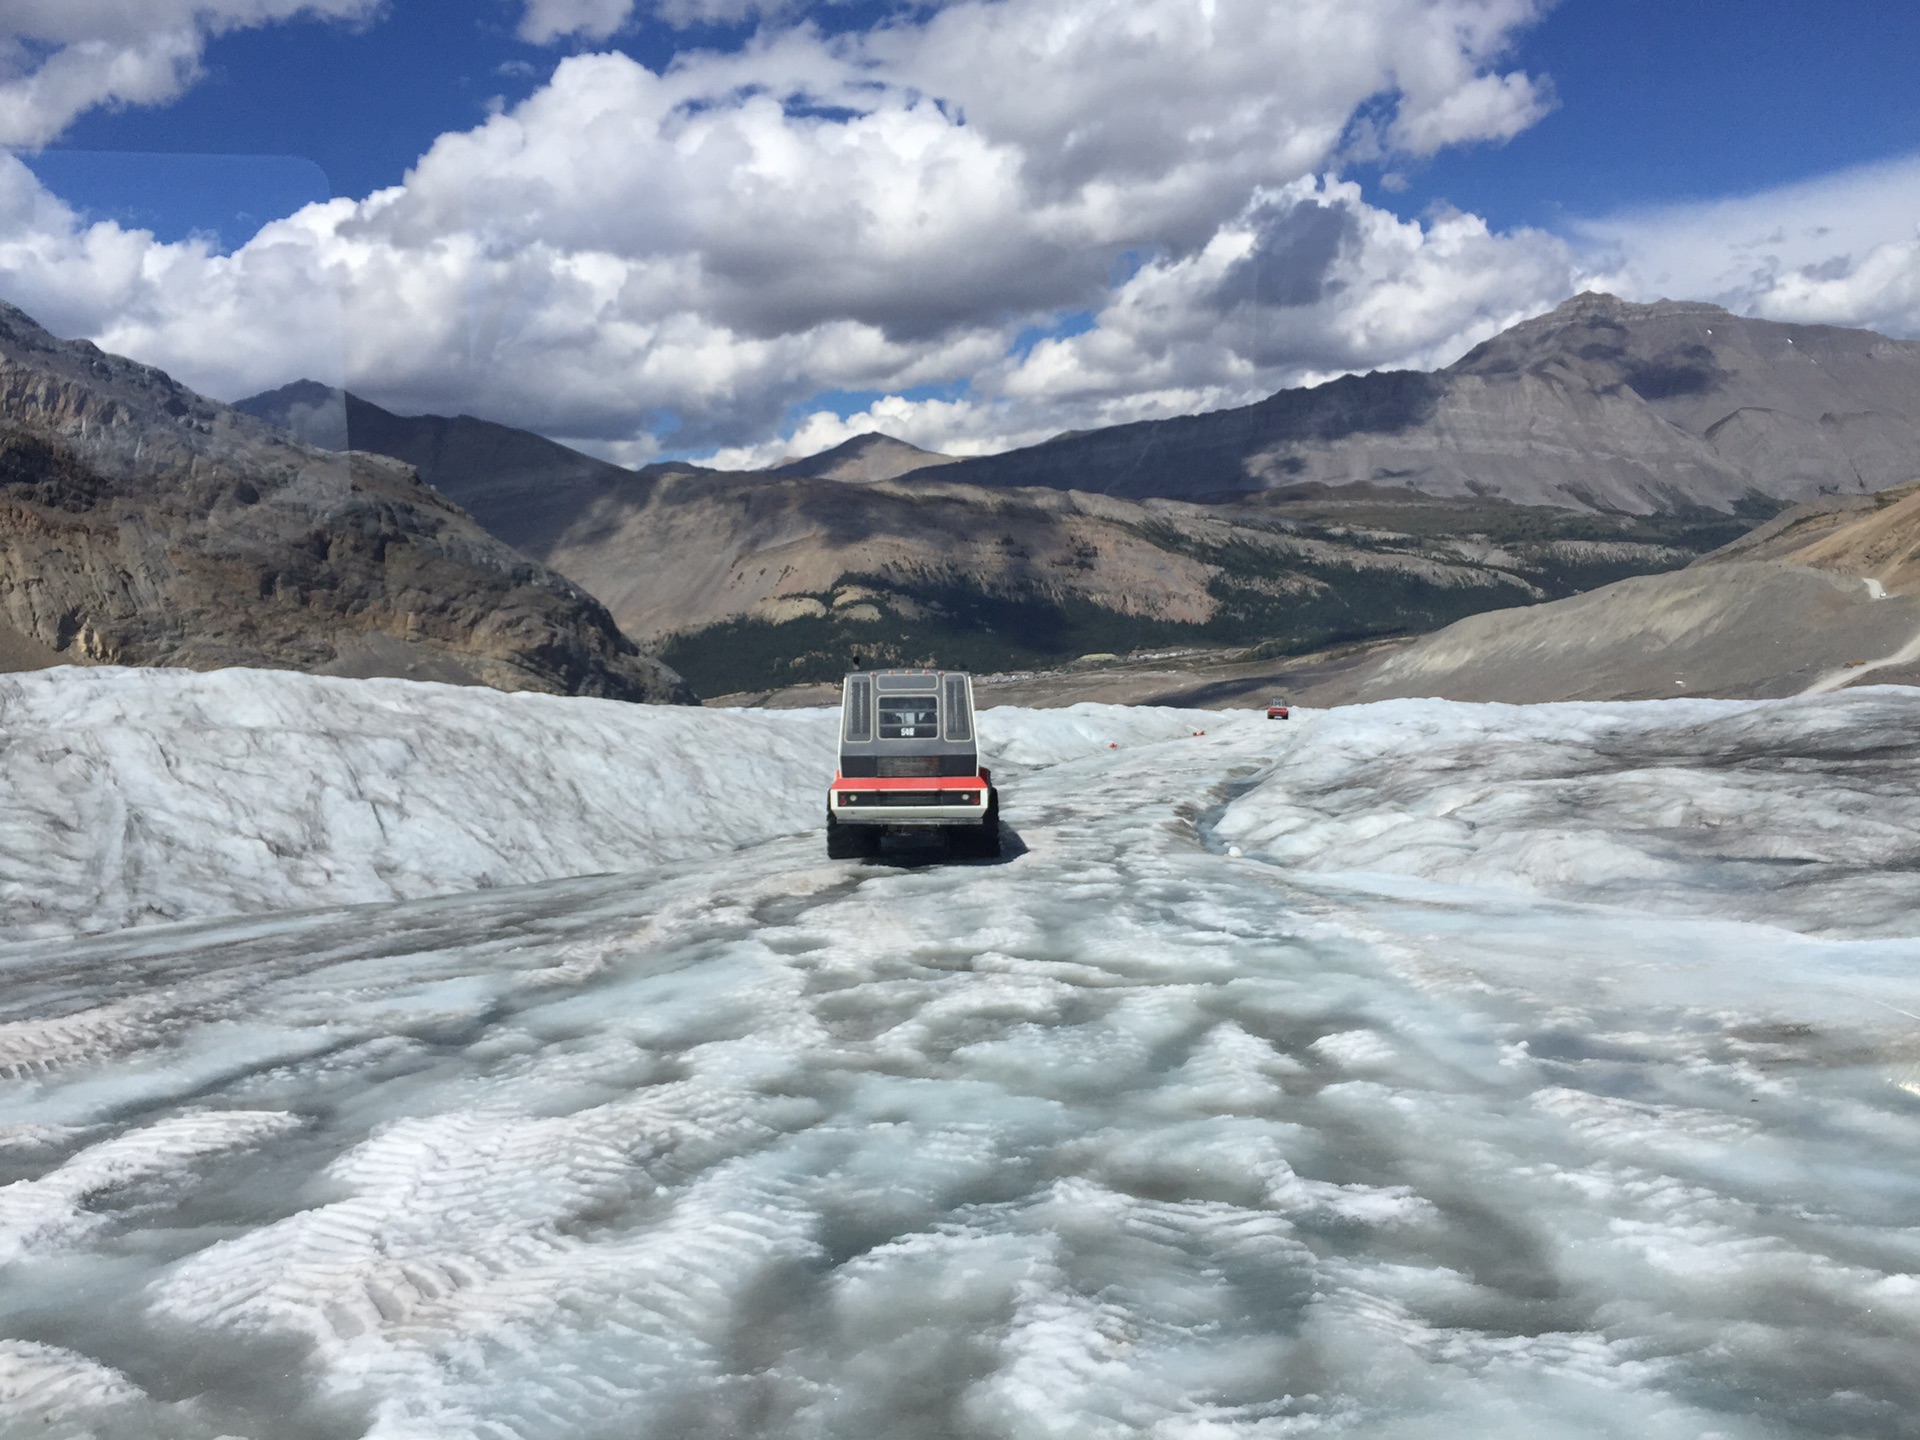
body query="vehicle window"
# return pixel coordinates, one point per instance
(859, 708)
(909, 717)
(959, 718)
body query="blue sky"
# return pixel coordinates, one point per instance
(1672, 100)
(1658, 102)
(1584, 140)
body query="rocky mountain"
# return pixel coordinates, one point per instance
(1600, 405)
(749, 581)
(1824, 597)
(866, 457)
(1598, 442)
(523, 488)
(753, 580)
(142, 524)
(1874, 537)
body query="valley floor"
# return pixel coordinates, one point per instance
(1408, 1070)
(1186, 679)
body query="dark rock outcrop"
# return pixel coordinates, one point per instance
(143, 524)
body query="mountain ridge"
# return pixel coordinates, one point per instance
(520, 486)
(1627, 408)
(1370, 506)
(1824, 597)
(747, 577)
(144, 524)
(874, 455)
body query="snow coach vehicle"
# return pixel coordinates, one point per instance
(909, 763)
(1278, 710)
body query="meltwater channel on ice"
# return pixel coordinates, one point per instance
(395, 1060)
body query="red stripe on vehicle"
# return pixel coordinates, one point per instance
(909, 782)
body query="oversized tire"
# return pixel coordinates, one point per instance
(851, 842)
(982, 841)
(990, 827)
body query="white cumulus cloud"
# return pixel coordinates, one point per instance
(1309, 281)
(1841, 249)
(62, 58)
(725, 239)
(549, 20)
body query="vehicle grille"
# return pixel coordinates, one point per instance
(901, 767)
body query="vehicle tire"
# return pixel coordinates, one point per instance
(982, 841)
(851, 842)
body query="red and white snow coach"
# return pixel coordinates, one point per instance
(909, 762)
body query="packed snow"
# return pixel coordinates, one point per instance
(403, 1061)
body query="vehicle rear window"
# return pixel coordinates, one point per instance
(859, 708)
(909, 717)
(959, 720)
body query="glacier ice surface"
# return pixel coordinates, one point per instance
(403, 1061)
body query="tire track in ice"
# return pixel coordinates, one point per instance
(43, 1385)
(54, 1211)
